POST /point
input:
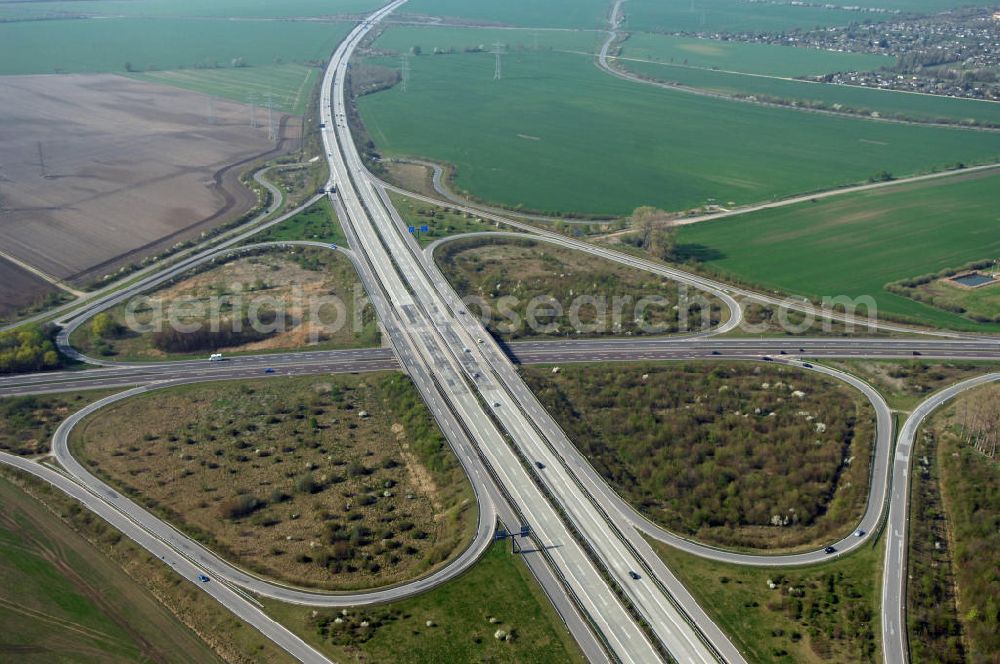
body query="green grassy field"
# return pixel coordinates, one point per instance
(854, 244)
(220, 8)
(404, 37)
(288, 84)
(535, 13)
(978, 304)
(61, 600)
(738, 16)
(887, 103)
(499, 586)
(729, 16)
(45, 47)
(557, 134)
(749, 58)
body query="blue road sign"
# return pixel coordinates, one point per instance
(501, 534)
(411, 229)
(424, 228)
(525, 530)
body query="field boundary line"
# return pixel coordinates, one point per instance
(41, 274)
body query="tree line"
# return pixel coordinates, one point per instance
(29, 348)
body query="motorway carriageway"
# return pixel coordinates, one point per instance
(523, 352)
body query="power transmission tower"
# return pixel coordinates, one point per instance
(405, 69)
(498, 71)
(252, 100)
(272, 134)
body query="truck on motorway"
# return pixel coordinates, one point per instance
(215, 357)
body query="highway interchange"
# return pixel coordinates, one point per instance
(588, 538)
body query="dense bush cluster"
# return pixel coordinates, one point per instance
(709, 449)
(205, 338)
(27, 349)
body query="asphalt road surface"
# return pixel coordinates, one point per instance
(522, 352)
(587, 538)
(894, 643)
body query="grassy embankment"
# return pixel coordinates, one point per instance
(498, 587)
(508, 274)
(337, 482)
(816, 614)
(440, 222)
(740, 455)
(760, 319)
(317, 223)
(905, 383)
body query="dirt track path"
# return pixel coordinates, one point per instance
(45, 276)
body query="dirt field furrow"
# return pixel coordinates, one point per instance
(100, 170)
